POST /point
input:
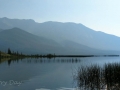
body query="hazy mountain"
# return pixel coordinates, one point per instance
(22, 41)
(79, 34)
(6, 23)
(25, 42)
(62, 33)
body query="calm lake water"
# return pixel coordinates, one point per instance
(45, 74)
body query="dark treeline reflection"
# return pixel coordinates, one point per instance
(95, 77)
(43, 60)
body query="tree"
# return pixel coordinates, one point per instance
(9, 51)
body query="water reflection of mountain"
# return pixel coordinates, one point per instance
(95, 77)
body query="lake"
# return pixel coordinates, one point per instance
(44, 73)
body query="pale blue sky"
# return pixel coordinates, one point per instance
(100, 15)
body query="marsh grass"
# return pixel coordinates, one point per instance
(95, 77)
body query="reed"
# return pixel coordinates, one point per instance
(95, 77)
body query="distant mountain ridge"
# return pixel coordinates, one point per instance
(22, 41)
(69, 37)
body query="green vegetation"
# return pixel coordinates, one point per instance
(2, 54)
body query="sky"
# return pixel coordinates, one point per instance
(100, 15)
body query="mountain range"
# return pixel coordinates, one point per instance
(28, 36)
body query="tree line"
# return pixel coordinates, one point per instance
(18, 54)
